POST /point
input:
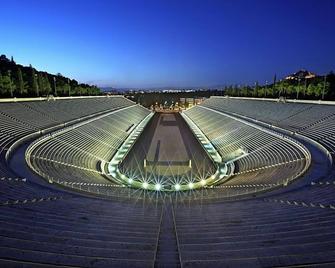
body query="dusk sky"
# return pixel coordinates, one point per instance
(170, 43)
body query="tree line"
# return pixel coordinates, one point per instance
(319, 87)
(25, 81)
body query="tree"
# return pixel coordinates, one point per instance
(290, 89)
(19, 82)
(304, 91)
(244, 91)
(40, 83)
(274, 84)
(325, 88)
(47, 84)
(28, 81)
(1, 87)
(54, 80)
(66, 89)
(78, 90)
(4, 58)
(255, 93)
(311, 89)
(270, 91)
(33, 83)
(43, 84)
(261, 91)
(319, 89)
(6, 85)
(282, 86)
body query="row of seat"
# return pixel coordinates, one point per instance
(42, 114)
(256, 153)
(45, 226)
(293, 116)
(19, 119)
(76, 153)
(315, 121)
(79, 232)
(254, 233)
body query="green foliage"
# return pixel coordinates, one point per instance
(19, 82)
(44, 84)
(315, 88)
(28, 82)
(311, 89)
(33, 83)
(0, 83)
(67, 90)
(6, 85)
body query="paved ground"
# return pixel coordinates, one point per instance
(167, 145)
(167, 142)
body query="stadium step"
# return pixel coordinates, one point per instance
(167, 254)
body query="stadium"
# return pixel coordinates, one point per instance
(105, 182)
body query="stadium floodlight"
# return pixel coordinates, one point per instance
(177, 186)
(190, 185)
(145, 185)
(203, 182)
(130, 180)
(158, 186)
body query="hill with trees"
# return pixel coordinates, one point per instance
(300, 85)
(25, 81)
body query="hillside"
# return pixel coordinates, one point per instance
(300, 85)
(25, 81)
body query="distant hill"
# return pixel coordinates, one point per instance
(301, 74)
(25, 81)
(302, 84)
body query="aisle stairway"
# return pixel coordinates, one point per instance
(167, 247)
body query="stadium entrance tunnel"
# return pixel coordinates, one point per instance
(167, 152)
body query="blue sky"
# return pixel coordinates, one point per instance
(170, 43)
